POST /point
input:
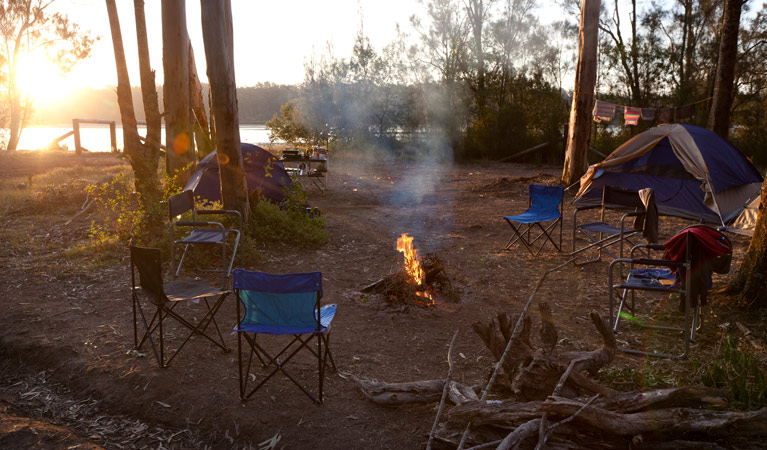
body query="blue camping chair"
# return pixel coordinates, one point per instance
(545, 205)
(281, 305)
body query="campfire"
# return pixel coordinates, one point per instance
(419, 280)
(413, 269)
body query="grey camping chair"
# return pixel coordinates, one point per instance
(203, 234)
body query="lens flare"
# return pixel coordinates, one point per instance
(181, 143)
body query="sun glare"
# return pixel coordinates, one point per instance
(41, 80)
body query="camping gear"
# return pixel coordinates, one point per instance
(696, 174)
(164, 297)
(602, 234)
(631, 115)
(603, 111)
(287, 305)
(545, 205)
(264, 173)
(648, 113)
(746, 220)
(688, 260)
(202, 233)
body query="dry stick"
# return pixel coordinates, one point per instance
(542, 435)
(486, 445)
(514, 334)
(444, 390)
(570, 419)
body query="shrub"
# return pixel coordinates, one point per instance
(290, 223)
(738, 371)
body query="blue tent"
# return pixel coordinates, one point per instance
(263, 171)
(695, 173)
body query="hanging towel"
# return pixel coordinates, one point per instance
(665, 115)
(648, 113)
(603, 111)
(649, 220)
(685, 113)
(631, 115)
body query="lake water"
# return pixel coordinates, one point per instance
(96, 137)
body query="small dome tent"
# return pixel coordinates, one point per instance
(696, 174)
(263, 171)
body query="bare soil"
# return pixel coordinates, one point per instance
(69, 329)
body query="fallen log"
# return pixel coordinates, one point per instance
(669, 422)
(689, 397)
(510, 413)
(532, 374)
(426, 391)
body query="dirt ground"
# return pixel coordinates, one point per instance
(66, 332)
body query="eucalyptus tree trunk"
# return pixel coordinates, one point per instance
(199, 116)
(583, 95)
(219, 53)
(148, 91)
(142, 159)
(719, 116)
(750, 285)
(179, 135)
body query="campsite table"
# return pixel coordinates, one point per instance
(313, 168)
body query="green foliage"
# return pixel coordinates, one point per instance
(288, 127)
(290, 224)
(118, 208)
(740, 372)
(123, 217)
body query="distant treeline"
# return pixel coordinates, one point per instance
(487, 80)
(257, 104)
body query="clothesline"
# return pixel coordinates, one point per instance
(605, 112)
(653, 107)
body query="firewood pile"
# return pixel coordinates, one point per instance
(545, 398)
(399, 288)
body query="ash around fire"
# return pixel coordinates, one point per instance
(401, 292)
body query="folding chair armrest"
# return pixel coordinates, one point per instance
(223, 211)
(657, 262)
(648, 247)
(199, 224)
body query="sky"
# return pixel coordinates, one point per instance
(272, 40)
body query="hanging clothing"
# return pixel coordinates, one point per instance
(685, 113)
(665, 115)
(648, 113)
(603, 111)
(650, 219)
(631, 115)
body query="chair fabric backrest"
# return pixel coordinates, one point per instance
(545, 198)
(147, 262)
(287, 303)
(180, 203)
(614, 197)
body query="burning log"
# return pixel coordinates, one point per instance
(418, 281)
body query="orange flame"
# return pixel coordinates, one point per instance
(413, 264)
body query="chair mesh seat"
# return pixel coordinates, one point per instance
(189, 290)
(327, 313)
(535, 216)
(650, 279)
(202, 236)
(601, 227)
